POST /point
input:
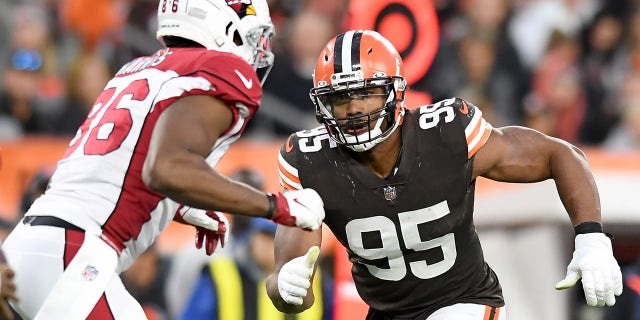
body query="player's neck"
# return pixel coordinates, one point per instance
(382, 158)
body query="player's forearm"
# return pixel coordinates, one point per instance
(575, 184)
(190, 181)
(279, 303)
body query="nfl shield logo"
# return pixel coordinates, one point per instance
(389, 193)
(89, 273)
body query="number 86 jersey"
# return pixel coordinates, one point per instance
(410, 237)
(98, 186)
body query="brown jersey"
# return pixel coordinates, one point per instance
(410, 236)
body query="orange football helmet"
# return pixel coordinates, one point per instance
(350, 62)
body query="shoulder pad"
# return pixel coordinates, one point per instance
(476, 128)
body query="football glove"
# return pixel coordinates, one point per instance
(299, 208)
(212, 227)
(593, 261)
(294, 277)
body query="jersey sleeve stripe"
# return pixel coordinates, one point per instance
(483, 139)
(287, 180)
(477, 133)
(473, 124)
(288, 174)
(287, 167)
(287, 186)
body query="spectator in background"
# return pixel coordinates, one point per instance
(187, 263)
(625, 136)
(557, 102)
(79, 17)
(602, 74)
(36, 187)
(146, 281)
(534, 23)
(137, 36)
(286, 94)
(32, 89)
(88, 74)
(476, 60)
(233, 288)
(19, 96)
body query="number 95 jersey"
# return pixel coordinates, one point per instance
(410, 236)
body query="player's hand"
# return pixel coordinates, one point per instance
(299, 208)
(593, 261)
(211, 227)
(294, 278)
(7, 291)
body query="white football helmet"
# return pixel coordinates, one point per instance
(241, 27)
(349, 66)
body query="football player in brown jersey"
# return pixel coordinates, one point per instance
(398, 188)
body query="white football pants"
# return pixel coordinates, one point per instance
(68, 274)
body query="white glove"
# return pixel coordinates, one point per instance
(593, 261)
(299, 208)
(294, 278)
(212, 227)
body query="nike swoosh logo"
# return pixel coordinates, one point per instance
(289, 146)
(247, 82)
(300, 203)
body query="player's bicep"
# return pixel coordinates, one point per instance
(191, 123)
(515, 154)
(183, 136)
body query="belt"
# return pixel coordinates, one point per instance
(50, 221)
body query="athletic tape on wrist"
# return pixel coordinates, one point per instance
(588, 227)
(272, 205)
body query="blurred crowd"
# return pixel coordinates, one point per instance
(569, 68)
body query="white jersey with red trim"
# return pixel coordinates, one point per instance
(98, 184)
(410, 236)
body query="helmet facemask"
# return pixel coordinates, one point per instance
(260, 55)
(362, 131)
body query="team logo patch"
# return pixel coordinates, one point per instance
(389, 193)
(89, 273)
(242, 7)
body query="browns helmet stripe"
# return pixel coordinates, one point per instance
(337, 54)
(347, 52)
(355, 51)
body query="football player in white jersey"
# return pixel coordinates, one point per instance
(144, 157)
